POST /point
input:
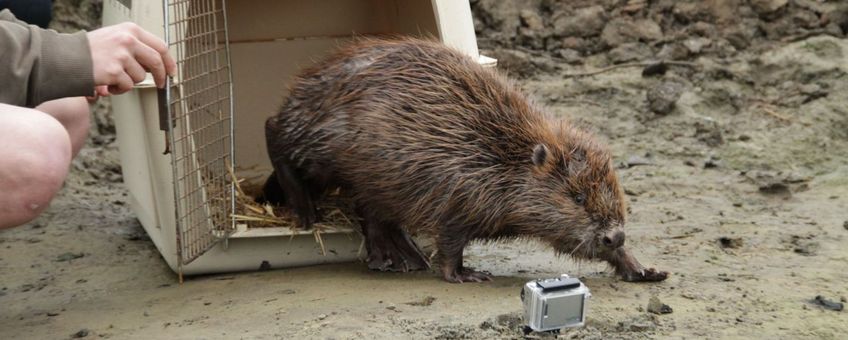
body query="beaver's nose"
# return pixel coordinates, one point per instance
(613, 238)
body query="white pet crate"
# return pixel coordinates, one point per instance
(235, 59)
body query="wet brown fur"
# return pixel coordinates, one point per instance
(425, 139)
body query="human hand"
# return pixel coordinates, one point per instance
(122, 55)
(99, 91)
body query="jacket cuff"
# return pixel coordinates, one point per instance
(66, 68)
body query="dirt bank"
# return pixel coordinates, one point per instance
(735, 161)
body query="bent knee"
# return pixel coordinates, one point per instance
(36, 162)
(47, 163)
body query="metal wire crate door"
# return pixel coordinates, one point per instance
(200, 112)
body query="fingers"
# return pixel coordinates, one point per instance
(152, 61)
(123, 84)
(160, 47)
(134, 70)
(102, 90)
(124, 53)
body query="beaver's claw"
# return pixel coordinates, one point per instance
(465, 274)
(645, 275)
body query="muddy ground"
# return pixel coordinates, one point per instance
(735, 162)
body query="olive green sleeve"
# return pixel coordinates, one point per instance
(37, 65)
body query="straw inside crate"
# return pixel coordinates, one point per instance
(335, 210)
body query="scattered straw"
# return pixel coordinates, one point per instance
(335, 211)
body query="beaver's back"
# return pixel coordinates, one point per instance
(413, 125)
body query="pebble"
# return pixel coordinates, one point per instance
(69, 256)
(663, 97)
(767, 6)
(657, 307)
(531, 20)
(696, 45)
(730, 242)
(584, 22)
(632, 51)
(570, 56)
(80, 334)
(620, 30)
(828, 304)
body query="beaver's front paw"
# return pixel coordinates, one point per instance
(645, 275)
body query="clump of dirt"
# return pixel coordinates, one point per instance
(527, 33)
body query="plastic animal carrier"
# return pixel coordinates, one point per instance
(182, 148)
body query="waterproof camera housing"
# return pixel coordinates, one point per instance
(552, 304)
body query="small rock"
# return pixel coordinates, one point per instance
(655, 69)
(642, 326)
(709, 132)
(426, 301)
(657, 307)
(673, 51)
(584, 22)
(687, 12)
(531, 20)
(531, 38)
(730, 242)
(322, 316)
(845, 225)
(52, 313)
(265, 265)
(775, 188)
(620, 30)
(636, 160)
(737, 38)
(712, 163)
(827, 304)
(696, 45)
(744, 138)
(766, 7)
(80, 334)
(629, 52)
(630, 192)
(68, 256)
(639, 323)
(837, 18)
(812, 92)
(704, 29)
(510, 321)
(575, 43)
(570, 56)
(804, 245)
(663, 97)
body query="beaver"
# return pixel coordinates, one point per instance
(425, 140)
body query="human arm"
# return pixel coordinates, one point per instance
(37, 65)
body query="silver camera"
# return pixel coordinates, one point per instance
(551, 304)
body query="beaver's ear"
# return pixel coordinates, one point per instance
(540, 155)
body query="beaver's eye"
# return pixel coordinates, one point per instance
(580, 199)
